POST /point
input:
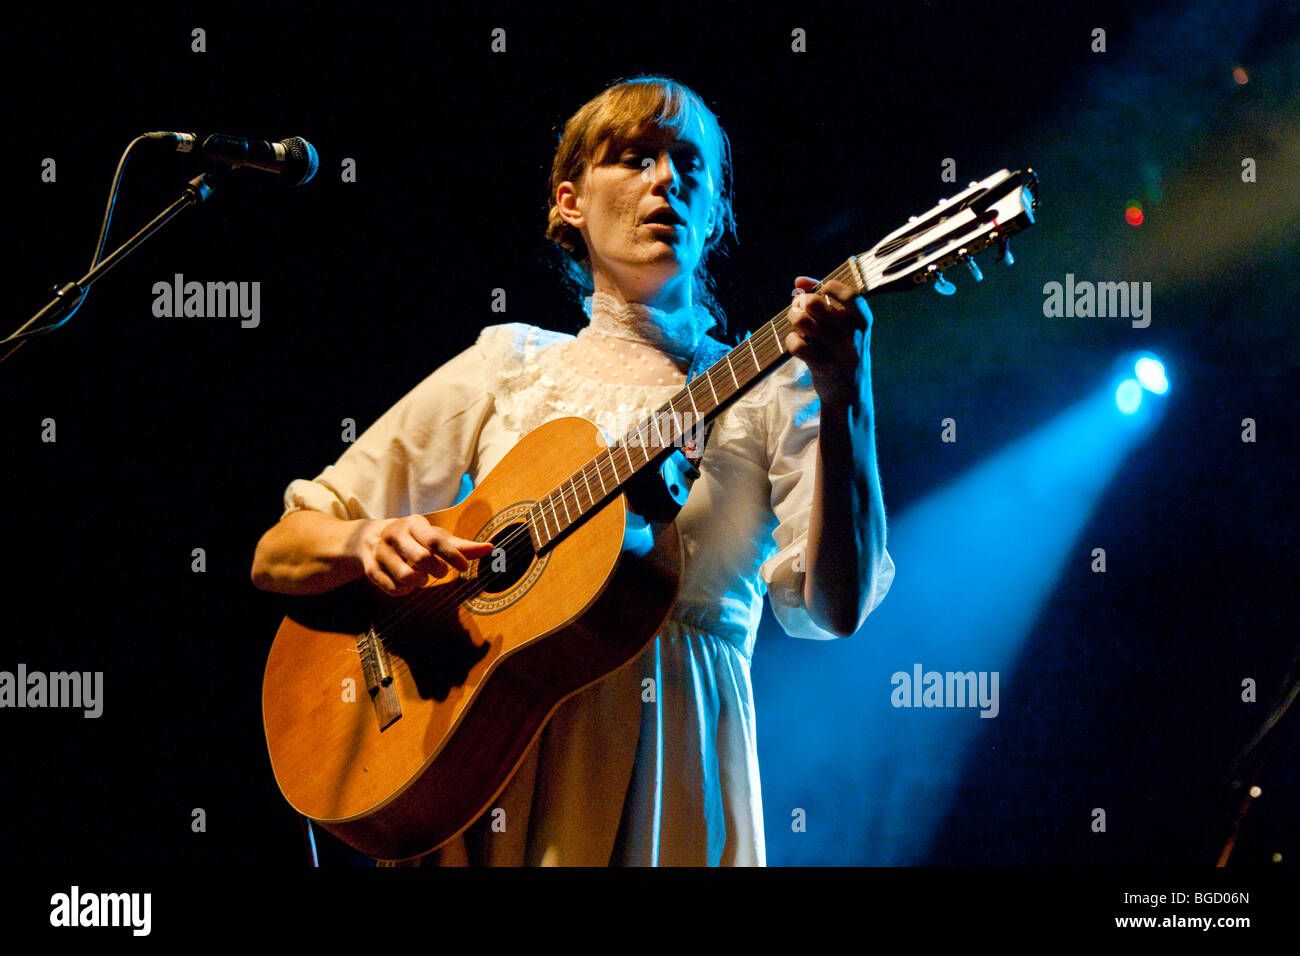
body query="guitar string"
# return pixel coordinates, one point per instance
(427, 607)
(454, 595)
(430, 606)
(423, 608)
(433, 605)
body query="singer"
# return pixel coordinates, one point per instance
(657, 763)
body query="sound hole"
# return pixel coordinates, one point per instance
(509, 561)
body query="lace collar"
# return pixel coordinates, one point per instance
(678, 333)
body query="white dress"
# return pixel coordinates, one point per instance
(615, 778)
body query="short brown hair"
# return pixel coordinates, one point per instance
(615, 113)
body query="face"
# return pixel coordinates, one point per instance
(644, 208)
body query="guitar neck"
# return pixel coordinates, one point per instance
(983, 214)
(671, 426)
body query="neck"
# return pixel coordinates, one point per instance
(643, 286)
(677, 332)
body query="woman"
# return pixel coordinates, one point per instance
(657, 763)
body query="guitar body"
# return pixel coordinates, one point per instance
(473, 685)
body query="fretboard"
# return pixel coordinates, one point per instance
(671, 426)
(962, 226)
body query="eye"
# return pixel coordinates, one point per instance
(692, 162)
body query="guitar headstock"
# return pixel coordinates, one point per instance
(986, 213)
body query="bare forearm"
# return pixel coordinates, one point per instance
(309, 552)
(846, 533)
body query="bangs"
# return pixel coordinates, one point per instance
(664, 105)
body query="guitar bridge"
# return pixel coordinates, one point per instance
(378, 671)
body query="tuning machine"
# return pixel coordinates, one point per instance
(941, 285)
(964, 256)
(1004, 249)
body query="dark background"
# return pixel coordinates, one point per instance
(175, 434)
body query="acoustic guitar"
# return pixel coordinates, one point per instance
(395, 722)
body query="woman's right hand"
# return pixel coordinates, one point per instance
(399, 555)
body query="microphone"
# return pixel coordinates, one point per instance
(294, 157)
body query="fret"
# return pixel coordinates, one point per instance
(656, 433)
(696, 400)
(532, 524)
(590, 497)
(613, 464)
(750, 342)
(601, 478)
(678, 423)
(732, 369)
(628, 455)
(551, 499)
(542, 511)
(676, 418)
(645, 445)
(565, 504)
(708, 377)
(691, 396)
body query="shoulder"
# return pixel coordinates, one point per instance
(516, 340)
(501, 359)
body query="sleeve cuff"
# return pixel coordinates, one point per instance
(320, 494)
(785, 575)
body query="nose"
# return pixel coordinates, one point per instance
(666, 177)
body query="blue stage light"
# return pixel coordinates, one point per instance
(1128, 396)
(978, 559)
(1150, 373)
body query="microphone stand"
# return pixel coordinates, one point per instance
(69, 296)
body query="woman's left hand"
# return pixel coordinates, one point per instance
(831, 333)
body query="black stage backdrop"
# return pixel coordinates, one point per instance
(177, 434)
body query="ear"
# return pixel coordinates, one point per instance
(566, 201)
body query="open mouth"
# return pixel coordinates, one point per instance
(664, 217)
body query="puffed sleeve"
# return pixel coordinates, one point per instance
(792, 420)
(412, 459)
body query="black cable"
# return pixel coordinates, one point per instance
(99, 247)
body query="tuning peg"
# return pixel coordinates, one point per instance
(963, 254)
(1004, 249)
(942, 285)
